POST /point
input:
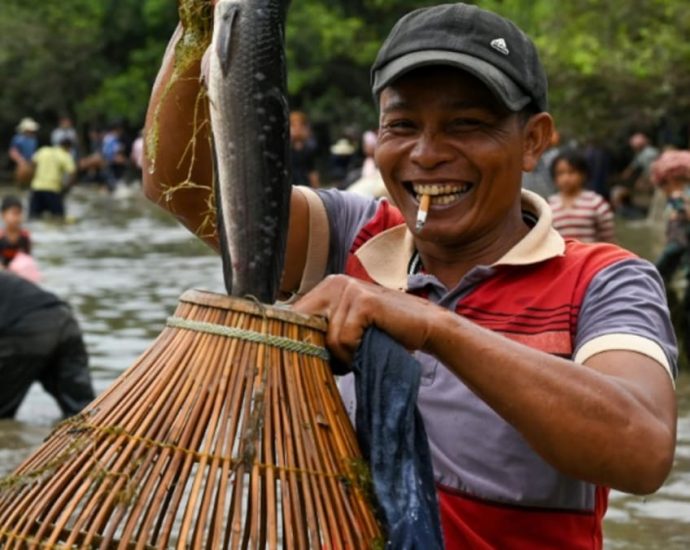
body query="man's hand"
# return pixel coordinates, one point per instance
(351, 305)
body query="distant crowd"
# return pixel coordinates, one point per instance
(583, 188)
(50, 170)
(581, 184)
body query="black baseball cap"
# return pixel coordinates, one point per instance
(486, 45)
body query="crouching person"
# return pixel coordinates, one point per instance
(40, 341)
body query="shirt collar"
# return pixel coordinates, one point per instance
(386, 256)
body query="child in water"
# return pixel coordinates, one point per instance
(577, 212)
(13, 238)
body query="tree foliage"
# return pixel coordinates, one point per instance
(613, 65)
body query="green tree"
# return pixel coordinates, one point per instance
(49, 56)
(612, 65)
(133, 43)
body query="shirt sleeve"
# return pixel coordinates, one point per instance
(605, 222)
(69, 165)
(625, 309)
(347, 214)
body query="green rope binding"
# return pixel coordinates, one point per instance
(281, 342)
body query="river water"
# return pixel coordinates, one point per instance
(122, 263)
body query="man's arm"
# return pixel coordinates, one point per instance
(610, 422)
(16, 156)
(177, 166)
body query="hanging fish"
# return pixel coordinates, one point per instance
(247, 88)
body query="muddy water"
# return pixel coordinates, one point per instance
(123, 263)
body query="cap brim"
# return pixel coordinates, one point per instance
(505, 90)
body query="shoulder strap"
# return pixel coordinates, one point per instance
(318, 243)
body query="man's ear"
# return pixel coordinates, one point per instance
(538, 130)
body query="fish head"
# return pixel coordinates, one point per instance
(225, 16)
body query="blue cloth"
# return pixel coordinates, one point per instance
(26, 145)
(112, 145)
(393, 441)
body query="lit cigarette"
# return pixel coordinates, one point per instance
(424, 204)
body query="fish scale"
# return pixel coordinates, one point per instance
(247, 88)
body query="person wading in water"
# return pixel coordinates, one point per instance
(548, 365)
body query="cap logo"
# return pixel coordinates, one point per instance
(500, 45)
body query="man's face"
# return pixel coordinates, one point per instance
(443, 133)
(299, 128)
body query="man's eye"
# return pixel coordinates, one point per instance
(467, 123)
(400, 125)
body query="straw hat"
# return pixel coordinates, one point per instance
(27, 124)
(342, 148)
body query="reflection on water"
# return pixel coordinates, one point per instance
(661, 520)
(122, 265)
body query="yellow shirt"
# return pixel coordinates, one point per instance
(52, 164)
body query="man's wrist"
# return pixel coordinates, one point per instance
(442, 334)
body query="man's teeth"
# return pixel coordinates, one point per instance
(446, 199)
(441, 194)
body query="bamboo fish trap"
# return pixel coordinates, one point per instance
(227, 433)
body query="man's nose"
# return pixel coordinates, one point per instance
(431, 150)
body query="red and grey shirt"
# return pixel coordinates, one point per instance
(560, 296)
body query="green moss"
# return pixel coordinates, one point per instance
(196, 18)
(75, 427)
(361, 478)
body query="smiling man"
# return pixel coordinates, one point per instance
(548, 365)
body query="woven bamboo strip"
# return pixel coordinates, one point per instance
(338, 521)
(203, 415)
(293, 529)
(158, 417)
(299, 458)
(65, 491)
(216, 450)
(358, 508)
(220, 350)
(317, 484)
(207, 441)
(104, 499)
(185, 464)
